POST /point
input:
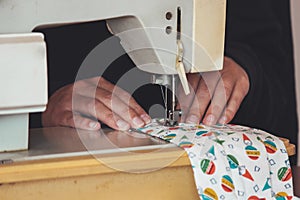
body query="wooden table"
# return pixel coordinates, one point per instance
(63, 164)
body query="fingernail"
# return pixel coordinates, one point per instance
(223, 120)
(210, 119)
(146, 118)
(93, 125)
(192, 119)
(138, 122)
(122, 125)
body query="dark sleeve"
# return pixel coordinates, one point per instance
(258, 37)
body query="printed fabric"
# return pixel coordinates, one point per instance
(232, 161)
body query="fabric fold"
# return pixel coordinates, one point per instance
(232, 161)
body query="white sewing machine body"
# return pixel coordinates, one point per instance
(23, 68)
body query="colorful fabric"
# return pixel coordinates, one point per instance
(232, 161)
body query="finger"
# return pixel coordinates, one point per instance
(137, 115)
(94, 108)
(219, 101)
(233, 104)
(126, 98)
(203, 96)
(184, 101)
(106, 103)
(74, 120)
(116, 105)
(134, 108)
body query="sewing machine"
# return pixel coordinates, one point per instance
(172, 38)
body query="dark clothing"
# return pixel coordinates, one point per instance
(258, 37)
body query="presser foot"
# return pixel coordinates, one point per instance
(172, 119)
(169, 122)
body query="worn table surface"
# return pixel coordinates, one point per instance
(61, 142)
(64, 164)
(83, 163)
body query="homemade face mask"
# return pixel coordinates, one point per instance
(231, 161)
